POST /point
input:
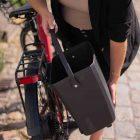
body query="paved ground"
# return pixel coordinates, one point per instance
(126, 126)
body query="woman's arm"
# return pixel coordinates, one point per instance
(117, 57)
(39, 5)
(48, 21)
(120, 19)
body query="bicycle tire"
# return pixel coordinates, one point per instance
(23, 35)
(33, 89)
(44, 120)
(50, 135)
(47, 134)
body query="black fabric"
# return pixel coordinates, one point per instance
(116, 20)
(78, 57)
(120, 18)
(80, 47)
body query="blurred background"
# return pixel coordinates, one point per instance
(11, 113)
(12, 119)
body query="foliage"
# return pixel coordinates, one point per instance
(18, 3)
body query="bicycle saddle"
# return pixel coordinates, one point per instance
(26, 10)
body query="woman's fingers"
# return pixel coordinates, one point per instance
(113, 93)
(56, 28)
(112, 88)
(46, 28)
(53, 25)
(51, 21)
(48, 23)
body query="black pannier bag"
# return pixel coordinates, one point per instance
(79, 82)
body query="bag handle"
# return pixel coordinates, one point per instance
(63, 59)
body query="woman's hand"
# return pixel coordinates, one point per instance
(112, 88)
(112, 85)
(48, 22)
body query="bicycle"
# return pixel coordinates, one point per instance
(34, 69)
(28, 35)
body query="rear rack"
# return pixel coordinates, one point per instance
(30, 60)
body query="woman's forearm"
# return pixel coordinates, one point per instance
(39, 5)
(117, 57)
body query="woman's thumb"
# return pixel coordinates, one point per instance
(51, 24)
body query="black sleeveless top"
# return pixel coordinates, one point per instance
(115, 20)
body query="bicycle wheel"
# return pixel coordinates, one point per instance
(41, 106)
(26, 37)
(54, 110)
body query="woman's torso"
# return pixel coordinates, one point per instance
(76, 12)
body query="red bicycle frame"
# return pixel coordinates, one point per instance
(46, 40)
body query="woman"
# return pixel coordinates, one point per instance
(111, 26)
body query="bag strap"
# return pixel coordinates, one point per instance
(63, 59)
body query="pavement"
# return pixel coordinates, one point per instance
(126, 126)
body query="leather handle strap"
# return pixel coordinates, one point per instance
(62, 57)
